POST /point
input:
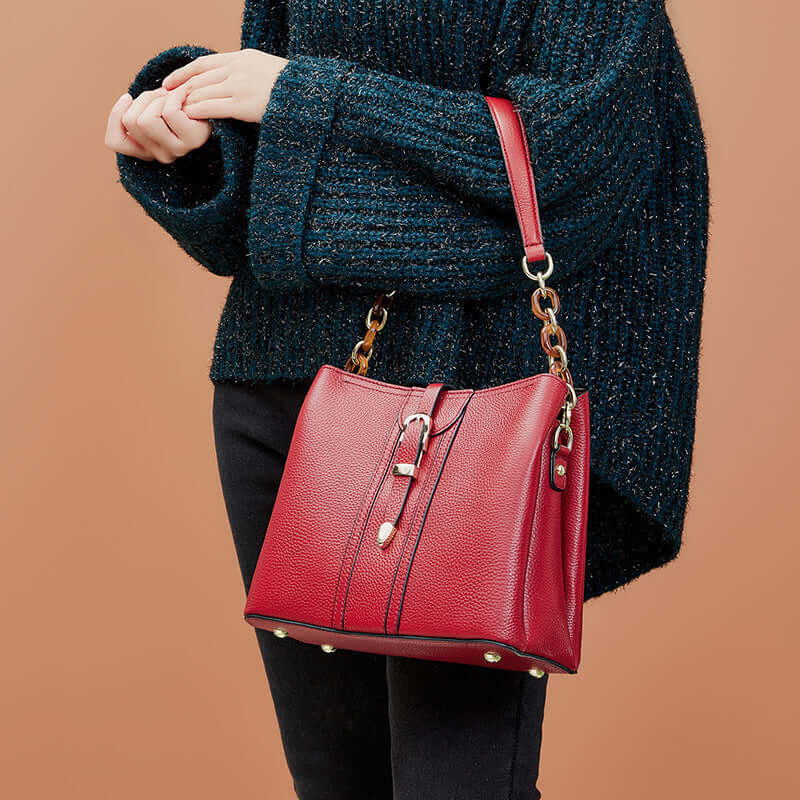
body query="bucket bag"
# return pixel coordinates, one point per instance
(432, 521)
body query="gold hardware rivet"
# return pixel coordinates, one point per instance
(492, 657)
(536, 673)
(328, 648)
(280, 633)
(561, 470)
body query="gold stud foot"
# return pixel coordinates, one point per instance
(280, 633)
(536, 673)
(328, 648)
(492, 657)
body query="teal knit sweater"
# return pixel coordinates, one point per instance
(376, 166)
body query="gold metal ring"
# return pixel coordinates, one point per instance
(557, 437)
(383, 319)
(354, 355)
(547, 339)
(539, 275)
(562, 355)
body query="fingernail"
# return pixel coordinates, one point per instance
(121, 98)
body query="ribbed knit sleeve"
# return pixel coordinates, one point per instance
(367, 179)
(201, 198)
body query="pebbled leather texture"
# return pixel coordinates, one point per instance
(487, 554)
(447, 549)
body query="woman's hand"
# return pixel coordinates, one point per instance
(236, 84)
(154, 126)
(165, 123)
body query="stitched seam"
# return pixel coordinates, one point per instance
(371, 509)
(486, 390)
(375, 388)
(417, 506)
(532, 185)
(363, 497)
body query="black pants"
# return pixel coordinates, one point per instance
(357, 725)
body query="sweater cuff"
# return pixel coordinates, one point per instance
(294, 128)
(200, 198)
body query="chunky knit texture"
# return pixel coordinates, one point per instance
(376, 166)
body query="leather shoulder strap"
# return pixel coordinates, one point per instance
(517, 158)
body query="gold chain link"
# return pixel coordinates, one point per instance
(358, 361)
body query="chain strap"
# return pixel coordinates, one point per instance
(553, 341)
(376, 319)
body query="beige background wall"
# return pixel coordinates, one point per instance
(126, 669)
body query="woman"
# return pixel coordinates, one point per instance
(351, 152)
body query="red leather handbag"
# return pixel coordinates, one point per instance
(435, 522)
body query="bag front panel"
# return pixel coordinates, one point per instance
(480, 526)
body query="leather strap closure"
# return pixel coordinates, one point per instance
(415, 432)
(514, 144)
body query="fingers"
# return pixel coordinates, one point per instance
(196, 92)
(155, 126)
(117, 137)
(208, 78)
(214, 108)
(195, 67)
(143, 122)
(168, 122)
(212, 84)
(191, 133)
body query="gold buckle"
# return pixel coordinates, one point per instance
(426, 422)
